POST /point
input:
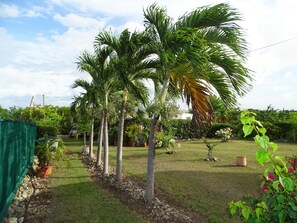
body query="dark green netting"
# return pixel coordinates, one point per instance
(17, 140)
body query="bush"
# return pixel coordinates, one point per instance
(183, 129)
(163, 140)
(279, 198)
(225, 134)
(211, 132)
(42, 130)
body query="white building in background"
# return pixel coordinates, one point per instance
(183, 114)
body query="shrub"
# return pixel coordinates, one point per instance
(183, 129)
(211, 132)
(163, 140)
(42, 130)
(225, 134)
(279, 199)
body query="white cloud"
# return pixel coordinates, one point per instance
(9, 10)
(24, 81)
(76, 21)
(45, 65)
(51, 59)
(12, 11)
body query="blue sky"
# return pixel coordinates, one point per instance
(40, 41)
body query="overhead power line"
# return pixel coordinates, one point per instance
(273, 44)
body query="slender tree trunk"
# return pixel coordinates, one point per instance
(105, 132)
(150, 178)
(91, 141)
(85, 138)
(120, 139)
(100, 137)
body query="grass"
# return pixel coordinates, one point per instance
(200, 186)
(77, 198)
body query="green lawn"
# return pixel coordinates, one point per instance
(77, 198)
(198, 185)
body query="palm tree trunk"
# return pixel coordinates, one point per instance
(91, 138)
(100, 137)
(85, 138)
(150, 178)
(120, 139)
(105, 132)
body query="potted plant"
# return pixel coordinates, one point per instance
(144, 137)
(47, 150)
(132, 132)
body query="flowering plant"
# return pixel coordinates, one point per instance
(164, 140)
(225, 134)
(278, 202)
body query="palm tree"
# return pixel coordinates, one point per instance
(131, 51)
(90, 101)
(100, 67)
(200, 54)
(79, 110)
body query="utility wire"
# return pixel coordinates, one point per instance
(273, 44)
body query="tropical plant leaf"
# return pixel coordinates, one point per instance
(262, 156)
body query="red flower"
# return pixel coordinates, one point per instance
(292, 162)
(264, 188)
(291, 170)
(271, 176)
(280, 186)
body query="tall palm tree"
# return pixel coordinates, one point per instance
(100, 67)
(78, 109)
(202, 53)
(91, 101)
(131, 51)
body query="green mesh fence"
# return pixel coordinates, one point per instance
(17, 142)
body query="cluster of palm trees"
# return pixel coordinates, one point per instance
(198, 55)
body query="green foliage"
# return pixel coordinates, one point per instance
(211, 132)
(45, 128)
(279, 199)
(210, 147)
(4, 114)
(133, 131)
(51, 120)
(225, 134)
(164, 140)
(183, 129)
(48, 150)
(66, 120)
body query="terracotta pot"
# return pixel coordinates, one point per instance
(241, 161)
(44, 171)
(132, 144)
(144, 144)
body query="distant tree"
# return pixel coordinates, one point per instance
(4, 114)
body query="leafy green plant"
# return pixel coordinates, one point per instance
(279, 199)
(49, 150)
(163, 140)
(225, 134)
(132, 132)
(210, 147)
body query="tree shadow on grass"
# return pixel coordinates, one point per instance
(86, 202)
(226, 165)
(206, 193)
